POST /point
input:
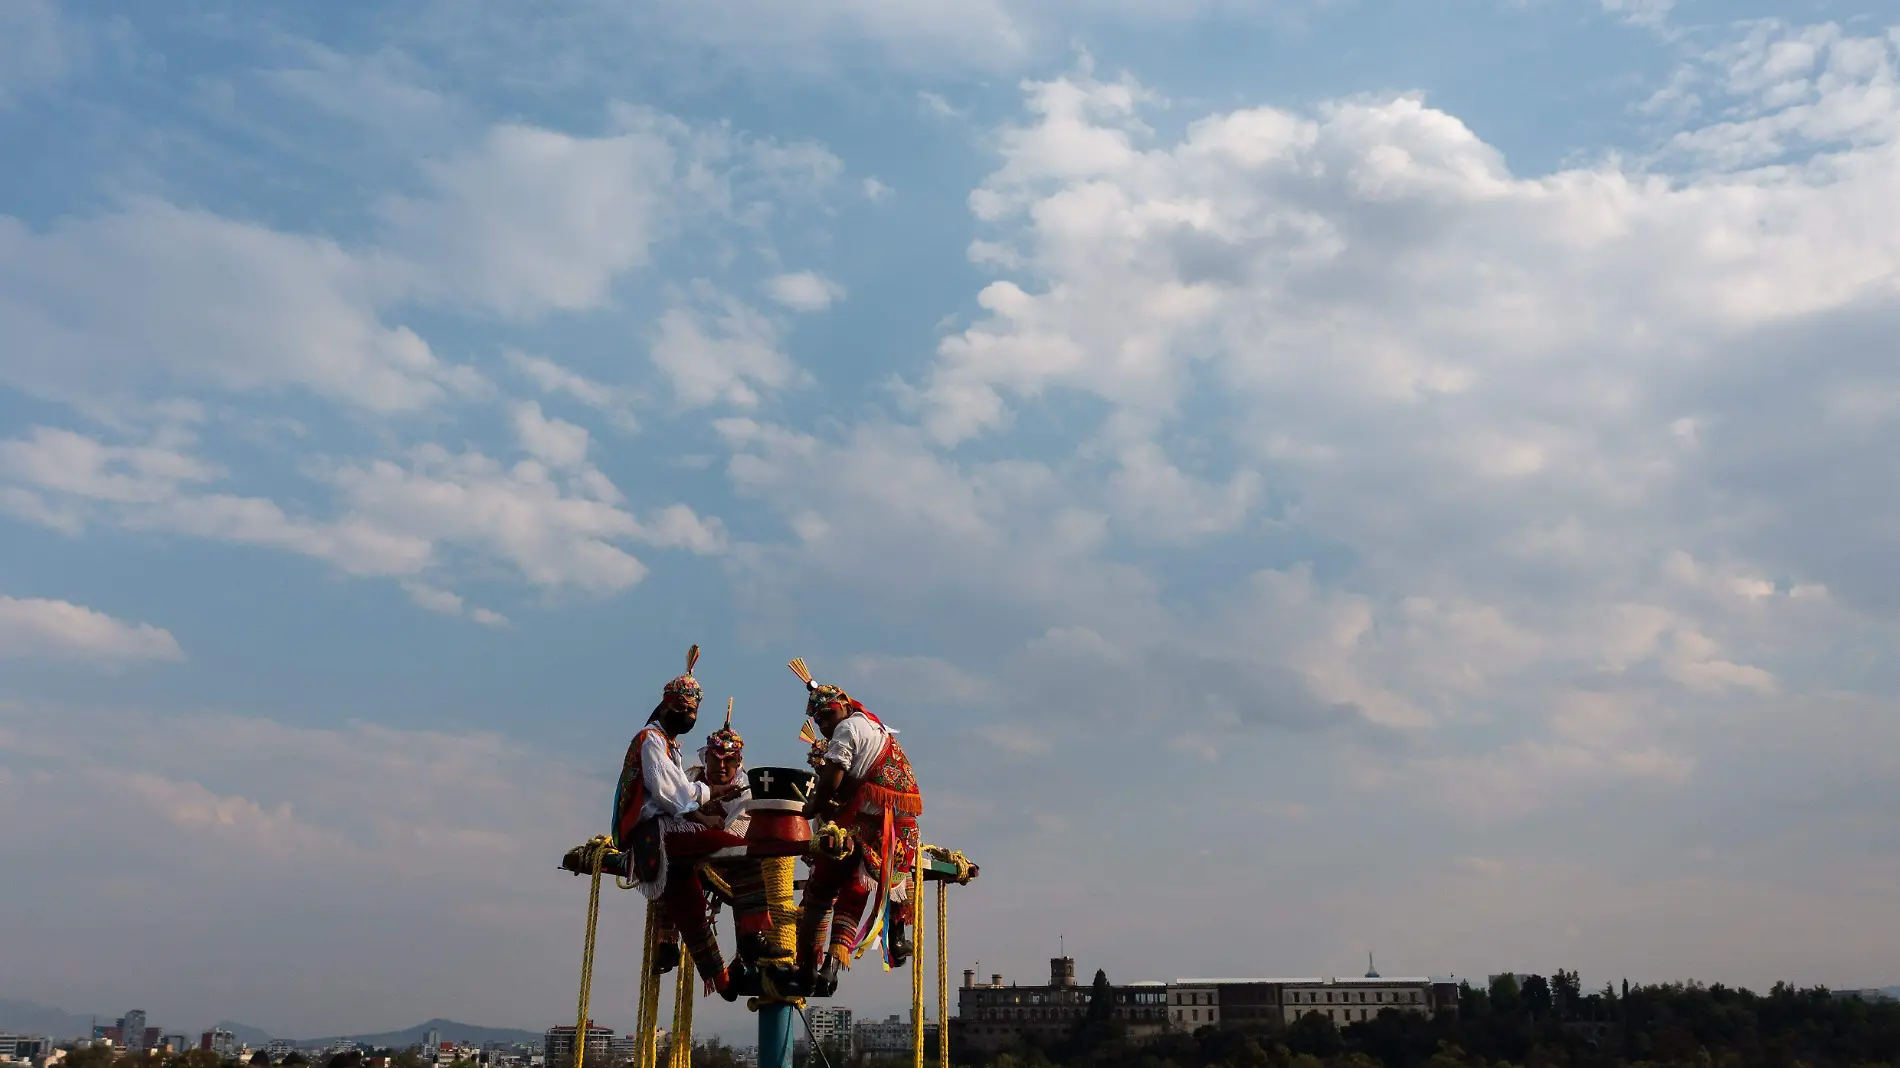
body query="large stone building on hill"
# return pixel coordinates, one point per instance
(994, 1014)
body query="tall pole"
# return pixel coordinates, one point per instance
(775, 1034)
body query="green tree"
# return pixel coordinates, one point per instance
(1101, 999)
(1315, 1035)
(1506, 999)
(91, 1057)
(408, 1058)
(195, 1058)
(1566, 994)
(1536, 997)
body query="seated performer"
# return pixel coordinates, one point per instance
(654, 823)
(722, 765)
(865, 783)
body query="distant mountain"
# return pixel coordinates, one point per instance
(254, 1037)
(26, 1017)
(451, 1032)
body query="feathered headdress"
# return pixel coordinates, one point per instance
(725, 741)
(817, 698)
(685, 687)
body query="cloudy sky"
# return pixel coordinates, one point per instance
(1308, 477)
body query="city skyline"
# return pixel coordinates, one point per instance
(1305, 477)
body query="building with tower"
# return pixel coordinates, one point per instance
(991, 1015)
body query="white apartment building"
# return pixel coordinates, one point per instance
(831, 1026)
(891, 1037)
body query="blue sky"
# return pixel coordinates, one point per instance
(1306, 477)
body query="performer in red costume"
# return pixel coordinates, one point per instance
(654, 810)
(865, 783)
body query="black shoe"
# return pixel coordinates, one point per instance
(743, 977)
(666, 957)
(797, 980)
(826, 982)
(900, 945)
(614, 863)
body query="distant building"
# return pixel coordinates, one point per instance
(132, 1031)
(832, 1027)
(219, 1041)
(891, 1037)
(432, 1041)
(991, 1015)
(558, 1044)
(175, 1043)
(1197, 1003)
(278, 1048)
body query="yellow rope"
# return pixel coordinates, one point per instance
(943, 973)
(779, 874)
(680, 1048)
(596, 848)
(645, 1050)
(916, 961)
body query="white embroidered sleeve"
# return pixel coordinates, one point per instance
(668, 788)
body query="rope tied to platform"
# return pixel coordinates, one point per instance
(917, 963)
(680, 1046)
(595, 852)
(647, 1051)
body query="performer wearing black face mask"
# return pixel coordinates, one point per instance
(652, 807)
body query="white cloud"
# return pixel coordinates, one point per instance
(557, 530)
(719, 350)
(876, 192)
(556, 518)
(935, 104)
(41, 629)
(804, 291)
(552, 378)
(1523, 408)
(156, 297)
(554, 442)
(449, 603)
(533, 220)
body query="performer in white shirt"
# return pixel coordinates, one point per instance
(866, 784)
(661, 822)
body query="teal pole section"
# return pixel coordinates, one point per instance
(775, 1036)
